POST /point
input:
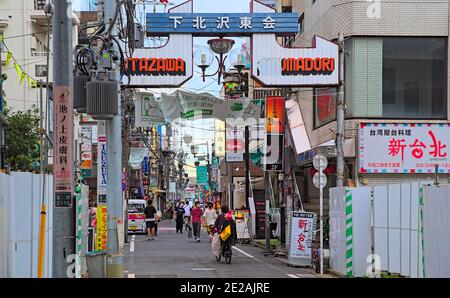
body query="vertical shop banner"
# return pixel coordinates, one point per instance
(275, 128)
(234, 144)
(219, 138)
(102, 228)
(63, 150)
(102, 163)
(202, 175)
(302, 227)
(86, 150)
(404, 148)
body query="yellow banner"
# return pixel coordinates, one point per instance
(8, 58)
(219, 138)
(18, 70)
(22, 77)
(102, 228)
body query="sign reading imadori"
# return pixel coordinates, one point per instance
(307, 66)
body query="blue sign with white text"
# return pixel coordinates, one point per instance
(222, 23)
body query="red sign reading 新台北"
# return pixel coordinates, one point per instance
(404, 148)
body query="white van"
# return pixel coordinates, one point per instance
(136, 216)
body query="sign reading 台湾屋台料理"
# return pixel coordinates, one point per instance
(404, 148)
(221, 23)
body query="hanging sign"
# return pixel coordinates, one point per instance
(274, 65)
(63, 160)
(404, 148)
(231, 24)
(86, 150)
(148, 111)
(219, 138)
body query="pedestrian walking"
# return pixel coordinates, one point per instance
(197, 213)
(179, 217)
(187, 216)
(150, 220)
(210, 217)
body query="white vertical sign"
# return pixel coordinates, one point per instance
(102, 163)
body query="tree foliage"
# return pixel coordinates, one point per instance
(22, 140)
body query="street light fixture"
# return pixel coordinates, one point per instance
(204, 57)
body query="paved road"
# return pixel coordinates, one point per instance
(173, 255)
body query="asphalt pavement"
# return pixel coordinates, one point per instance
(173, 255)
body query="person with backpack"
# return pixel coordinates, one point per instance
(210, 216)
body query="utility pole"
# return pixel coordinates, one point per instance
(340, 115)
(247, 166)
(64, 209)
(3, 122)
(114, 267)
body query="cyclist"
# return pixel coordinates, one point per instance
(225, 219)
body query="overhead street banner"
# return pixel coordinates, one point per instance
(404, 148)
(189, 105)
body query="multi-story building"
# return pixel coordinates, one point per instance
(396, 71)
(25, 29)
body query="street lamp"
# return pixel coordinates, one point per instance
(204, 57)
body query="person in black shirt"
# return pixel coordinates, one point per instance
(179, 217)
(150, 220)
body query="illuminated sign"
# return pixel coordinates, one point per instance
(155, 66)
(307, 66)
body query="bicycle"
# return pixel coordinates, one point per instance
(226, 252)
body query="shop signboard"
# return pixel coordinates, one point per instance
(275, 127)
(102, 228)
(102, 165)
(404, 148)
(63, 159)
(202, 175)
(301, 236)
(86, 150)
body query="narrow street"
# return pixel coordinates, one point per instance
(172, 255)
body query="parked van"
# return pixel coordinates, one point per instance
(136, 216)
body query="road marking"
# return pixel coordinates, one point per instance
(243, 252)
(132, 243)
(293, 276)
(203, 269)
(131, 275)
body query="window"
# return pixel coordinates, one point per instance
(324, 106)
(41, 70)
(414, 78)
(39, 4)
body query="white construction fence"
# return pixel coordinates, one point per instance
(20, 202)
(402, 229)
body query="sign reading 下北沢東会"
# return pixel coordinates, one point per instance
(404, 148)
(231, 24)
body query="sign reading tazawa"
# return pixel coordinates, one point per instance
(271, 64)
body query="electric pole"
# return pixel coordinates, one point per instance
(340, 115)
(114, 267)
(64, 209)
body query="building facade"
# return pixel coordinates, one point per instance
(396, 71)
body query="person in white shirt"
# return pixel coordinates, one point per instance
(210, 216)
(187, 216)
